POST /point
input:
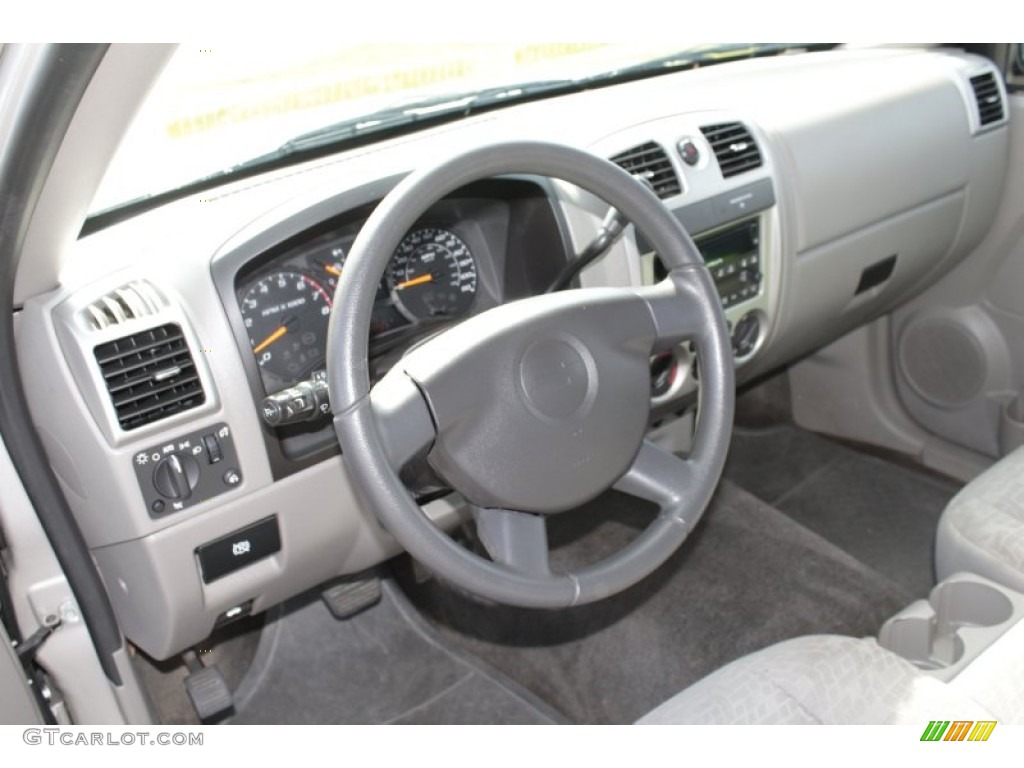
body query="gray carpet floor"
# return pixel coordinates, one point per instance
(882, 512)
(381, 666)
(748, 576)
(805, 535)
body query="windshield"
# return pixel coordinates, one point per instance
(215, 108)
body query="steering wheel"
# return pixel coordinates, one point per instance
(537, 406)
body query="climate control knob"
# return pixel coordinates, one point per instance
(745, 335)
(175, 476)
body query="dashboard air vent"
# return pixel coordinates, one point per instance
(150, 375)
(129, 302)
(990, 101)
(734, 147)
(649, 162)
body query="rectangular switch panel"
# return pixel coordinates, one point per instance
(189, 470)
(237, 550)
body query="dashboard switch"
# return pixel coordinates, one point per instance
(176, 476)
(239, 549)
(306, 401)
(173, 475)
(689, 152)
(213, 451)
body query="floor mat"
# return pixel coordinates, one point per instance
(881, 512)
(747, 577)
(382, 666)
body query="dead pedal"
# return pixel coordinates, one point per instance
(346, 598)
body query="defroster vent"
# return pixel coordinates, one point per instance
(734, 146)
(650, 163)
(990, 100)
(150, 376)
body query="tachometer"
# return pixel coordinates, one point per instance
(433, 274)
(286, 315)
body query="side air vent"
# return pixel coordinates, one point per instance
(990, 101)
(129, 302)
(650, 163)
(150, 376)
(734, 147)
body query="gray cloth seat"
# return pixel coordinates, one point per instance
(843, 680)
(824, 679)
(836, 680)
(982, 528)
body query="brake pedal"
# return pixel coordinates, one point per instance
(346, 598)
(207, 689)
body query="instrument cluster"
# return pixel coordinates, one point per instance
(432, 278)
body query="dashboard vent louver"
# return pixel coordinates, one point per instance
(990, 101)
(650, 163)
(129, 302)
(150, 375)
(734, 146)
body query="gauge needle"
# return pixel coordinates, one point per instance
(270, 340)
(330, 269)
(427, 278)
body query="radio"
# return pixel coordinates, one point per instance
(734, 260)
(733, 257)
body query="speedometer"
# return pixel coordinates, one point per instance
(286, 315)
(433, 274)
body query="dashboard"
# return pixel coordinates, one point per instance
(150, 367)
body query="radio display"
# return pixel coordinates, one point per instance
(727, 252)
(732, 243)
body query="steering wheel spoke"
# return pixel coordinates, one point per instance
(679, 305)
(518, 540)
(403, 418)
(664, 479)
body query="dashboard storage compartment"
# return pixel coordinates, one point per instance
(962, 616)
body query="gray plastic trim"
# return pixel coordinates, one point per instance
(17, 707)
(38, 589)
(78, 340)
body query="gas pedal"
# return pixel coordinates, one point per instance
(349, 596)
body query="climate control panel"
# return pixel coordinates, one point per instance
(189, 470)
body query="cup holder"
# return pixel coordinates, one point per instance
(961, 616)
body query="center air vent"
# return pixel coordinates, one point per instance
(650, 163)
(150, 376)
(129, 302)
(990, 100)
(734, 147)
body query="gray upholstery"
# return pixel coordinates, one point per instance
(982, 529)
(819, 679)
